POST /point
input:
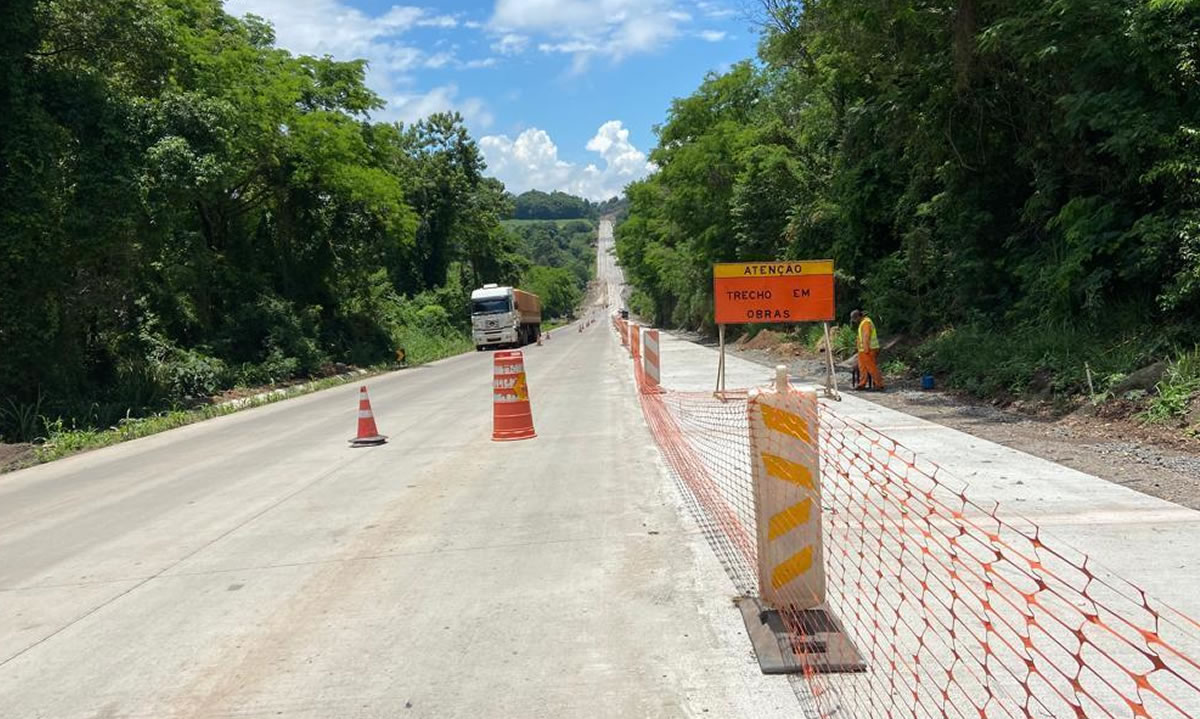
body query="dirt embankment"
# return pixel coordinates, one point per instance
(14, 455)
(1106, 441)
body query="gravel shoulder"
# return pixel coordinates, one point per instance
(1099, 441)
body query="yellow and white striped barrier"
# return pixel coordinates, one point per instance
(787, 491)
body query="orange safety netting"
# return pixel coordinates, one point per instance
(958, 610)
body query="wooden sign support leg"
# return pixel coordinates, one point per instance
(721, 361)
(831, 389)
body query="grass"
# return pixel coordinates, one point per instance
(1042, 360)
(896, 368)
(62, 441)
(813, 337)
(554, 324)
(1177, 390)
(23, 418)
(422, 347)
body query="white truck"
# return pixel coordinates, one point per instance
(504, 316)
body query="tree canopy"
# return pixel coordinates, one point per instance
(186, 207)
(538, 205)
(961, 160)
(564, 258)
(990, 163)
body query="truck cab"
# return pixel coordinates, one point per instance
(504, 317)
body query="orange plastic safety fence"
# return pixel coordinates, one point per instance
(957, 609)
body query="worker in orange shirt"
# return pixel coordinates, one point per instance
(867, 341)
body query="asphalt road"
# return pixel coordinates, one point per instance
(255, 565)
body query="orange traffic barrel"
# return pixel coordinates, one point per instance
(512, 417)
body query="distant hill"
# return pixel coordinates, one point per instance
(538, 205)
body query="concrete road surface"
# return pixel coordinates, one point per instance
(611, 277)
(256, 566)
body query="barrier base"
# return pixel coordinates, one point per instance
(368, 441)
(513, 436)
(823, 647)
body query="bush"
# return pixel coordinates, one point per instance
(421, 346)
(21, 422)
(844, 339)
(191, 373)
(557, 289)
(434, 318)
(1047, 359)
(1176, 391)
(640, 304)
(274, 330)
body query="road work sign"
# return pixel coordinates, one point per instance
(767, 292)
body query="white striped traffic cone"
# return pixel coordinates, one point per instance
(368, 433)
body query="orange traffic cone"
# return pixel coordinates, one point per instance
(368, 434)
(512, 418)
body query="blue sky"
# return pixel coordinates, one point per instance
(560, 94)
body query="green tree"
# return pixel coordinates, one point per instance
(556, 288)
(187, 206)
(1001, 164)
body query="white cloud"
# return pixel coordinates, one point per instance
(711, 35)
(481, 62)
(411, 108)
(570, 47)
(439, 60)
(447, 21)
(715, 10)
(511, 44)
(583, 28)
(331, 27)
(531, 162)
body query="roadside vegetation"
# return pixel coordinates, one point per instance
(61, 441)
(563, 254)
(188, 209)
(1014, 187)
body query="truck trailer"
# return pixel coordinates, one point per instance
(504, 317)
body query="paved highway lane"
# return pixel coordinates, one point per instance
(254, 565)
(611, 277)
